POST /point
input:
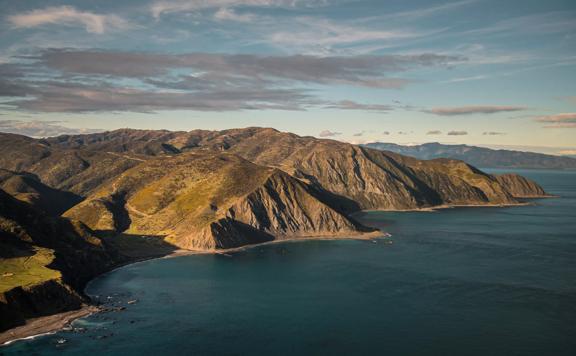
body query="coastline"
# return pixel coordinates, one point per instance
(456, 206)
(53, 323)
(45, 325)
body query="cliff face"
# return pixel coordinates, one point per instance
(208, 201)
(521, 187)
(32, 301)
(43, 259)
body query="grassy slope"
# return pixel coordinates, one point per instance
(28, 270)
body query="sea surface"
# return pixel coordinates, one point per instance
(466, 281)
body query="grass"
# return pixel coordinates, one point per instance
(26, 271)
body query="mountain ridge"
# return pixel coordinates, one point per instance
(479, 156)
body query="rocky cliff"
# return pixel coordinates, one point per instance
(208, 201)
(520, 187)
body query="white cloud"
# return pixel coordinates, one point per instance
(225, 13)
(165, 7)
(69, 16)
(314, 35)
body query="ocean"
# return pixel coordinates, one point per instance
(462, 281)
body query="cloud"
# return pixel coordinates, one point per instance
(434, 132)
(567, 152)
(92, 80)
(328, 133)
(457, 133)
(359, 134)
(228, 14)
(366, 71)
(386, 133)
(166, 7)
(473, 109)
(79, 98)
(539, 23)
(564, 120)
(419, 13)
(40, 128)
(352, 105)
(10, 88)
(493, 133)
(69, 16)
(571, 99)
(311, 34)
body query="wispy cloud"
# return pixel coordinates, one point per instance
(457, 133)
(434, 132)
(92, 80)
(57, 97)
(159, 8)
(38, 128)
(540, 23)
(367, 71)
(314, 35)
(493, 133)
(473, 109)
(69, 16)
(558, 121)
(352, 105)
(229, 14)
(328, 133)
(567, 152)
(422, 12)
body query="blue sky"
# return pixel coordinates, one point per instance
(496, 73)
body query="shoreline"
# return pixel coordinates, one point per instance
(51, 324)
(45, 325)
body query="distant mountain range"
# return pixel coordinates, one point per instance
(479, 156)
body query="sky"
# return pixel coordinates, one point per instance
(496, 73)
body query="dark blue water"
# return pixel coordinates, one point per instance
(471, 281)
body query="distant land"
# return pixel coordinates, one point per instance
(73, 207)
(479, 156)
